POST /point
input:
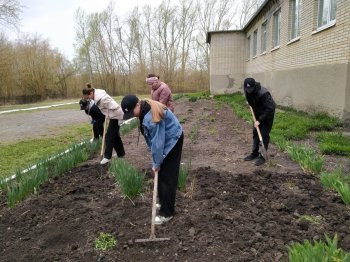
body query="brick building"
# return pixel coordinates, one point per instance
(298, 49)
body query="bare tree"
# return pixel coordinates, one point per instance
(168, 40)
(249, 7)
(9, 12)
(187, 25)
(214, 15)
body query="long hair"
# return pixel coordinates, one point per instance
(157, 110)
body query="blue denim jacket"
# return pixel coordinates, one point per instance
(161, 137)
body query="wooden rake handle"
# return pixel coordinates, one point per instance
(154, 202)
(104, 137)
(257, 128)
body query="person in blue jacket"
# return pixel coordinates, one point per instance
(164, 136)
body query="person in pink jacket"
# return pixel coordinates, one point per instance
(160, 91)
(112, 110)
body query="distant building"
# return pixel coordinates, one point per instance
(298, 49)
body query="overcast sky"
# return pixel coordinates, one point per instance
(54, 19)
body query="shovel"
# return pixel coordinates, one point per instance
(153, 234)
(262, 146)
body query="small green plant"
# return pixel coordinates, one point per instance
(290, 184)
(338, 181)
(178, 96)
(213, 130)
(318, 251)
(28, 184)
(312, 219)
(105, 241)
(194, 132)
(307, 158)
(281, 143)
(192, 98)
(183, 120)
(128, 177)
(334, 143)
(343, 190)
(183, 174)
(328, 180)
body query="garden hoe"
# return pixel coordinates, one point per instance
(104, 138)
(153, 234)
(262, 146)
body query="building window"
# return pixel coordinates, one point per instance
(264, 37)
(255, 42)
(294, 19)
(276, 28)
(248, 47)
(326, 12)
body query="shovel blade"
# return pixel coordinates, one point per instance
(263, 151)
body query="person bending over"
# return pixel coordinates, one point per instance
(164, 137)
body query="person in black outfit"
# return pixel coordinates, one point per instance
(260, 99)
(98, 118)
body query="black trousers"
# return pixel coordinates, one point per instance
(113, 140)
(167, 179)
(98, 128)
(265, 129)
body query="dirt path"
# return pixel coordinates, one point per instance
(231, 210)
(33, 124)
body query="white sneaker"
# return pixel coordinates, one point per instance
(105, 161)
(161, 220)
(158, 206)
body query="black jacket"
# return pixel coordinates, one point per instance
(95, 113)
(262, 103)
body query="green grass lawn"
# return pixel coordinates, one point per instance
(25, 153)
(22, 154)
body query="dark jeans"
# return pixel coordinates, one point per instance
(265, 129)
(167, 179)
(113, 140)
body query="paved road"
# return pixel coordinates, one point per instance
(34, 124)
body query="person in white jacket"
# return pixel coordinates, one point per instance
(112, 110)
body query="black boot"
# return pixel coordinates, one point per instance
(251, 157)
(260, 161)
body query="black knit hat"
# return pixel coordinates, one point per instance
(249, 84)
(128, 104)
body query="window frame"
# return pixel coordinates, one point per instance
(320, 14)
(264, 37)
(276, 31)
(255, 43)
(294, 23)
(248, 46)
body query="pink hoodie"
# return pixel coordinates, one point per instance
(161, 92)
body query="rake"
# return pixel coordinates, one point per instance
(153, 237)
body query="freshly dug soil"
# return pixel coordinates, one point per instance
(230, 210)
